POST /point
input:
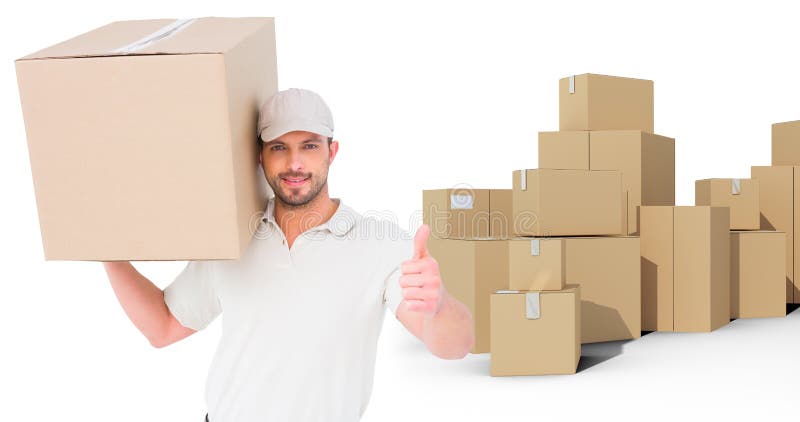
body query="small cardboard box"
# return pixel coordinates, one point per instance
(685, 268)
(142, 138)
(779, 208)
(740, 195)
(536, 263)
(608, 271)
(550, 202)
(645, 160)
(471, 270)
(458, 213)
(599, 102)
(786, 143)
(757, 274)
(535, 333)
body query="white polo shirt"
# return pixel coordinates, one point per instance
(300, 325)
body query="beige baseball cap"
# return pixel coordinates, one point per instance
(294, 109)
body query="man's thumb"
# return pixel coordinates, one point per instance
(421, 241)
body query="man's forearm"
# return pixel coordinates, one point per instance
(142, 300)
(448, 334)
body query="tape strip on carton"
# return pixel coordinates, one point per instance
(736, 186)
(523, 182)
(572, 84)
(165, 32)
(534, 247)
(532, 305)
(461, 201)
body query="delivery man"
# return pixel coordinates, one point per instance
(304, 306)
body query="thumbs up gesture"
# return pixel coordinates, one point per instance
(420, 280)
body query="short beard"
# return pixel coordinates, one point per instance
(300, 202)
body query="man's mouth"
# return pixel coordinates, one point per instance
(294, 181)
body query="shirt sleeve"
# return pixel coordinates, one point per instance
(191, 297)
(392, 294)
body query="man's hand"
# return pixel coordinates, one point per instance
(420, 280)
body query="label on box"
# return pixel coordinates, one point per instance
(462, 201)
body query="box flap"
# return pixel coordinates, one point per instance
(156, 36)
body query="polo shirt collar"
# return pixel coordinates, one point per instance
(340, 223)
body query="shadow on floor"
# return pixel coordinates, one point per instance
(791, 307)
(597, 353)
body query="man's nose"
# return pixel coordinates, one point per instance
(296, 163)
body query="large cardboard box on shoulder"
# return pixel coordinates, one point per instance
(740, 195)
(757, 274)
(685, 268)
(779, 208)
(645, 160)
(471, 270)
(786, 143)
(600, 102)
(467, 213)
(549, 202)
(607, 269)
(142, 138)
(535, 333)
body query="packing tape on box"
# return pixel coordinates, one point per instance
(736, 186)
(523, 181)
(165, 32)
(461, 201)
(572, 84)
(534, 247)
(532, 305)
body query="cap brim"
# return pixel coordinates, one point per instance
(279, 129)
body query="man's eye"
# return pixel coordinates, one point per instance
(276, 148)
(310, 146)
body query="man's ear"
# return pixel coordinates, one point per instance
(334, 148)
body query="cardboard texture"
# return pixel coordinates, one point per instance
(740, 195)
(131, 152)
(645, 160)
(536, 264)
(685, 268)
(549, 202)
(757, 274)
(599, 102)
(459, 213)
(607, 269)
(501, 213)
(779, 194)
(547, 345)
(471, 270)
(786, 143)
(564, 150)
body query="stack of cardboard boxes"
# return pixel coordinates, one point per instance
(569, 263)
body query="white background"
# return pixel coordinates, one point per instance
(425, 96)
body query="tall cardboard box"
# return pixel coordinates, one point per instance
(607, 269)
(535, 333)
(645, 160)
(779, 206)
(740, 195)
(500, 213)
(536, 263)
(142, 138)
(599, 102)
(685, 268)
(757, 274)
(471, 270)
(549, 202)
(786, 143)
(460, 213)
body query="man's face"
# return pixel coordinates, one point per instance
(296, 165)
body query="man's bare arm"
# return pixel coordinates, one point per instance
(144, 304)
